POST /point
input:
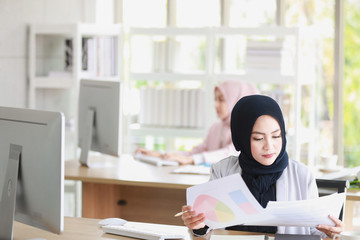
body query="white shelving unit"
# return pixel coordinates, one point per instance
(164, 59)
(217, 41)
(47, 53)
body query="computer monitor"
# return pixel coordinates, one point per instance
(99, 118)
(31, 169)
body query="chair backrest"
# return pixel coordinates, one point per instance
(327, 186)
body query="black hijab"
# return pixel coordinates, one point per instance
(260, 179)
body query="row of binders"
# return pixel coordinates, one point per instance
(99, 56)
(179, 108)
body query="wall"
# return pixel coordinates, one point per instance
(15, 15)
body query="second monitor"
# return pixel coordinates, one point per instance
(99, 118)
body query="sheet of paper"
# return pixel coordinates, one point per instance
(228, 201)
(306, 212)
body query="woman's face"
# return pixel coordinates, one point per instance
(220, 105)
(266, 140)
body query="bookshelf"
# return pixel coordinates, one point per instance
(161, 70)
(280, 61)
(62, 54)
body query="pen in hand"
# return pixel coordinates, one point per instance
(179, 214)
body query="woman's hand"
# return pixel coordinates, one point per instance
(147, 152)
(191, 219)
(183, 160)
(331, 230)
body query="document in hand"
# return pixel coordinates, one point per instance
(227, 202)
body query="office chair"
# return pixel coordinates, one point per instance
(327, 186)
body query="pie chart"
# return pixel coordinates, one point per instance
(242, 202)
(214, 209)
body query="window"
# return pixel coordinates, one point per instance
(253, 13)
(351, 85)
(319, 14)
(144, 13)
(190, 13)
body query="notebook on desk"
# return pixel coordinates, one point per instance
(155, 160)
(193, 169)
(296, 237)
(141, 232)
(239, 237)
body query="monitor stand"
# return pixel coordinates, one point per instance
(86, 143)
(8, 195)
(87, 138)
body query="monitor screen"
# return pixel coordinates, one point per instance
(99, 118)
(31, 169)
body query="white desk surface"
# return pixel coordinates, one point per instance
(125, 170)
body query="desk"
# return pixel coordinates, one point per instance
(86, 228)
(132, 190)
(79, 229)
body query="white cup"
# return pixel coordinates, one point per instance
(348, 235)
(329, 161)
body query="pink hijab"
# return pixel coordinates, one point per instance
(219, 134)
(233, 91)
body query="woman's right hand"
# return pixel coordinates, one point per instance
(147, 152)
(191, 219)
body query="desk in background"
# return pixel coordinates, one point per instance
(138, 191)
(131, 189)
(352, 195)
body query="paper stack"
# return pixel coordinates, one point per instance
(267, 56)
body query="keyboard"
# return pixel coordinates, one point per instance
(140, 232)
(155, 160)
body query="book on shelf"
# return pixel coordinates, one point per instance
(99, 56)
(193, 106)
(162, 107)
(154, 106)
(69, 54)
(178, 107)
(171, 107)
(142, 109)
(159, 56)
(185, 117)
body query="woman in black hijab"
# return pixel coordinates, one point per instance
(258, 132)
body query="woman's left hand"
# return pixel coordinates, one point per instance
(331, 230)
(183, 160)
